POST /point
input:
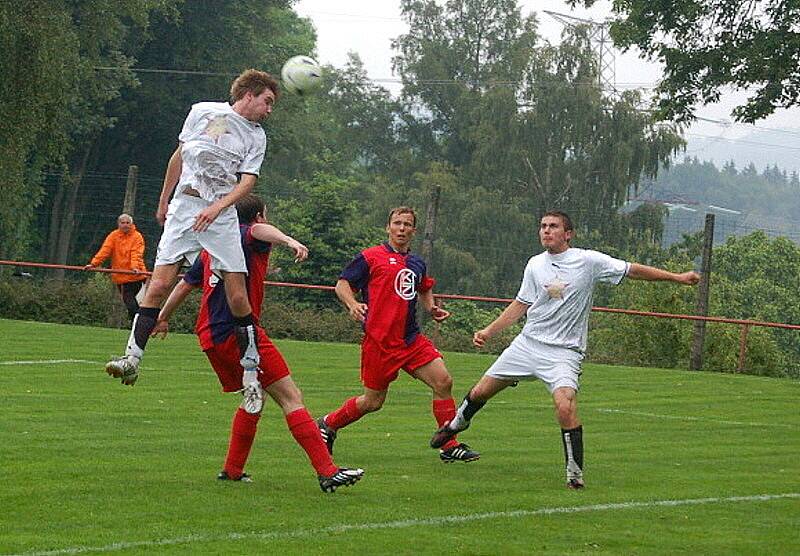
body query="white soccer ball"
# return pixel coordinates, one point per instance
(301, 75)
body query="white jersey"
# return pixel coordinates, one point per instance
(218, 146)
(558, 289)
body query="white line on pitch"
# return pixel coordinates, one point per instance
(48, 362)
(406, 523)
(690, 418)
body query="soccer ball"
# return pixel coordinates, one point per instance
(301, 75)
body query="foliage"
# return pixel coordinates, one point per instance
(710, 45)
(53, 98)
(753, 278)
(523, 128)
(320, 215)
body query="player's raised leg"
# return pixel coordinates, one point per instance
(246, 338)
(127, 366)
(435, 375)
(485, 389)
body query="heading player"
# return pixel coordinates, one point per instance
(217, 163)
(215, 329)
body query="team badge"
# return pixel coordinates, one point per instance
(217, 127)
(555, 289)
(405, 284)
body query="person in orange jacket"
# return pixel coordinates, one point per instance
(125, 247)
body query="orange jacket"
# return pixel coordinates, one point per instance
(126, 252)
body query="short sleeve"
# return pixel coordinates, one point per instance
(527, 290)
(427, 283)
(255, 155)
(194, 276)
(189, 124)
(357, 272)
(606, 268)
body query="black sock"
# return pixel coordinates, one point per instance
(464, 413)
(471, 407)
(573, 444)
(247, 340)
(143, 325)
(246, 320)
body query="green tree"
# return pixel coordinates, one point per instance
(320, 215)
(53, 100)
(707, 45)
(525, 128)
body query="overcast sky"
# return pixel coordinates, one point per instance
(368, 26)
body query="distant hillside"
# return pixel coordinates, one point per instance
(764, 148)
(742, 198)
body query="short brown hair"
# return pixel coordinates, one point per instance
(254, 81)
(566, 221)
(402, 210)
(249, 207)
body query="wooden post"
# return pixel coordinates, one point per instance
(742, 348)
(699, 336)
(427, 241)
(430, 226)
(129, 205)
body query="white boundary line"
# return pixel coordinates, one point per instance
(406, 523)
(695, 419)
(49, 362)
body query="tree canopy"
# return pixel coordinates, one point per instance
(709, 45)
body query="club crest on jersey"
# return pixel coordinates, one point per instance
(405, 284)
(555, 289)
(213, 280)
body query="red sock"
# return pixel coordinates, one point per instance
(444, 411)
(306, 433)
(345, 415)
(243, 432)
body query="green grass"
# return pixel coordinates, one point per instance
(90, 466)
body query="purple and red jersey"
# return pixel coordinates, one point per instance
(389, 282)
(215, 321)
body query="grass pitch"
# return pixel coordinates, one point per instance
(676, 462)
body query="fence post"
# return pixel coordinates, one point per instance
(430, 226)
(699, 336)
(129, 204)
(742, 348)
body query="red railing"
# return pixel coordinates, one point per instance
(744, 323)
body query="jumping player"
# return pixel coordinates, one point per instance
(217, 163)
(216, 331)
(556, 295)
(391, 280)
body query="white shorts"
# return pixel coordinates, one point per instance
(222, 239)
(527, 359)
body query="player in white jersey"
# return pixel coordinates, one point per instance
(556, 295)
(217, 162)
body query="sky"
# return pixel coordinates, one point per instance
(367, 27)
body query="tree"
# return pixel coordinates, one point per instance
(53, 100)
(321, 216)
(524, 127)
(706, 45)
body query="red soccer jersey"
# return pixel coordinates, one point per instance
(389, 282)
(215, 320)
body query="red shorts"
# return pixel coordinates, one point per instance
(225, 357)
(380, 367)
